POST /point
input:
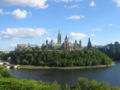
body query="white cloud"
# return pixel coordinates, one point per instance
(1, 11)
(19, 33)
(17, 13)
(111, 25)
(114, 25)
(67, 0)
(71, 6)
(117, 2)
(29, 3)
(92, 4)
(92, 35)
(75, 17)
(20, 14)
(77, 36)
(13, 45)
(97, 30)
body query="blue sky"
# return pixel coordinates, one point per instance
(34, 21)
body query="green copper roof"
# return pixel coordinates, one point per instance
(57, 45)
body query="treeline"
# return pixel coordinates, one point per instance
(112, 50)
(82, 84)
(3, 56)
(59, 58)
(7, 82)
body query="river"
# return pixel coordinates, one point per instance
(110, 75)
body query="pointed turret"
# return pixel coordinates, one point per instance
(75, 42)
(51, 43)
(80, 43)
(66, 44)
(66, 38)
(75, 45)
(46, 42)
(89, 46)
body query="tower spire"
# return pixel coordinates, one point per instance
(66, 38)
(59, 38)
(89, 46)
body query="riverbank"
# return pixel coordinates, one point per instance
(64, 68)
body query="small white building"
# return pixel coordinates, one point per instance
(22, 46)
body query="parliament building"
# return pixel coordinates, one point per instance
(65, 45)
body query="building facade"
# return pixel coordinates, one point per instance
(66, 45)
(22, 46)
(50, 45)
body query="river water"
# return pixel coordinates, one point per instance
(110, 75)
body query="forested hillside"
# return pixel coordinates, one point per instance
(86, 57)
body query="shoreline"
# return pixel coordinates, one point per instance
(65, 68)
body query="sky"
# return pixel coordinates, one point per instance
(34, 21)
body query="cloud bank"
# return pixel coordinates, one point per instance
(75, 17)
(77, 36)
(17, 13)
(67, 0)
(92, 4)
(19, 33)
(117, 2)
(20, 14)
(71, 6)
(28, 3)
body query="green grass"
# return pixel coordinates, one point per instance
(73, 67)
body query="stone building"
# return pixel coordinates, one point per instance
(50, 45)
(66, 45)
(22, 46)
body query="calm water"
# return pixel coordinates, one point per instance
(110, 75)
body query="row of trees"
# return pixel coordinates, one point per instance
(82, 84)
(59, 58)
(8, 82)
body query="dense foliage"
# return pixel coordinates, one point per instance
(112, 50)
(3, 56)
(59, 58)
(4, 73)
(82, 84)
